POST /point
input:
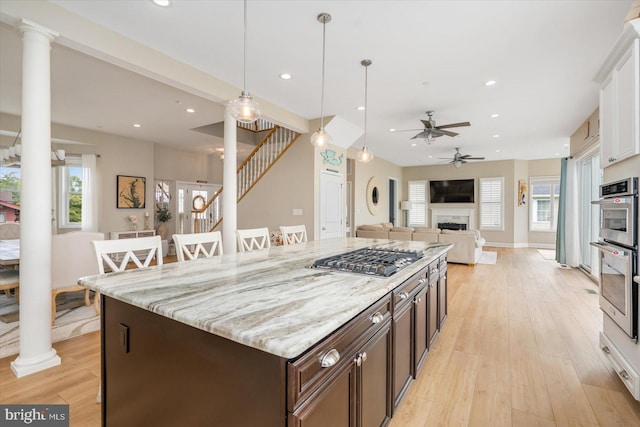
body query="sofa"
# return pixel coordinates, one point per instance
(467, 244)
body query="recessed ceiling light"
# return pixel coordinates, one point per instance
(565, 145)
(190, 110)
(137, 125)
(497, 151)
(430, 157)
(493, 116)
(360, 108)
(413, 144)
(285, 76)
(556, 154)
(489, 82)
(162, 3)
(496, 136)
(392, 130)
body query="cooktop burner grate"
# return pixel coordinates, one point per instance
(374, 261)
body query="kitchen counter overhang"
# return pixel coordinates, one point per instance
(268, 300)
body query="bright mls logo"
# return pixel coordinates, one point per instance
(36, 415)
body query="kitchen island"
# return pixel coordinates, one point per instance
(257, 338)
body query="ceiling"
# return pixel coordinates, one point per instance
(427, 55)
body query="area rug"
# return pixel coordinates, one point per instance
(548, 254)
(72, 319)
(488, 257)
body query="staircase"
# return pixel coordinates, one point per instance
(275, 143)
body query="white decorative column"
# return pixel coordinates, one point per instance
(230, 184)
(36, 352)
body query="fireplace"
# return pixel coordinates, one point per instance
(451, 226)
(456, 216)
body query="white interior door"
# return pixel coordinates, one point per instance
(331, 205)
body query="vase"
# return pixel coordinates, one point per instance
(162, 231)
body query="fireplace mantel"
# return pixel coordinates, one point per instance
(457, 215)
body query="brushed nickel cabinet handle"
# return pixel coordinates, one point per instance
(421, 281)
(377, 317)
(330, 358)
(364, 357)
(606, 350)
(403, 295)
(624, 374)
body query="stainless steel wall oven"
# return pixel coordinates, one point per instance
(618, 248)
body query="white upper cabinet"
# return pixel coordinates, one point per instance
(619, 80)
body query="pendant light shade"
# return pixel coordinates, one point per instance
(365, 155)
(245, 109)
(322, 138)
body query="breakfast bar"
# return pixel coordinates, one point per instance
(261, 338)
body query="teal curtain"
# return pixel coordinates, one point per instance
(561, 248)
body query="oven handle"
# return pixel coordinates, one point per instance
(611, 202)
(611, 249)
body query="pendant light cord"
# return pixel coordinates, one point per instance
(244, 59)
(366, 74)
(324, 26)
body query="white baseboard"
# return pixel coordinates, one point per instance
(520, 245)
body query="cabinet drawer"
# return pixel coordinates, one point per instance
(146, 233)
(306, 374)
(402, 294)
(128, 235)
(434, 271)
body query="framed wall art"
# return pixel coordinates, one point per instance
(130, 192)
(522, 192)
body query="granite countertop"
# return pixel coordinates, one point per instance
(266, 299)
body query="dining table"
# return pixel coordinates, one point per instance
(10, 253)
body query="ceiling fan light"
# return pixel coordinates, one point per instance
(365, 155)
(320, 138)
(457, 163)
(245, 109)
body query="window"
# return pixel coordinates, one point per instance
(543, 199)
(418, 198)
(492, 203)
(71, 194)
(9, 194)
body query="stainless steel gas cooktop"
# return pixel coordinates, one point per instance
(374, 261)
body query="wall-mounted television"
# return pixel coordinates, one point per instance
(452, 191)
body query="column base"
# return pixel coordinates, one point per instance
(27, 366)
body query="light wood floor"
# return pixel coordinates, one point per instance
(519, 348)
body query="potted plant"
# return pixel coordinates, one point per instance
(163, 215)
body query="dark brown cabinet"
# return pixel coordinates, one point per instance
(422, 335)
(346, 380)
(442, 292)
(403, 321)
(433, 323)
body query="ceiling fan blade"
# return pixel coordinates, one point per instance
(446, 132)
(426, 123)
(455, 125)
(474, 158)
(407, 130)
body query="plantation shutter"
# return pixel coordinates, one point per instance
(492, 203)
(418, 198)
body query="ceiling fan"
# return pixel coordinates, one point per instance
(459, 158)
(431, 131)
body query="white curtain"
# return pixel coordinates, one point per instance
(89, 193)
(572, 230)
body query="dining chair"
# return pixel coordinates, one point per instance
(292, 234)
(71, 259)
(10, 279)
(253, 239)
(118, 254)
(193, 246)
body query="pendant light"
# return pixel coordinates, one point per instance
(322, 138)
(365, 155)
(245, 109)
